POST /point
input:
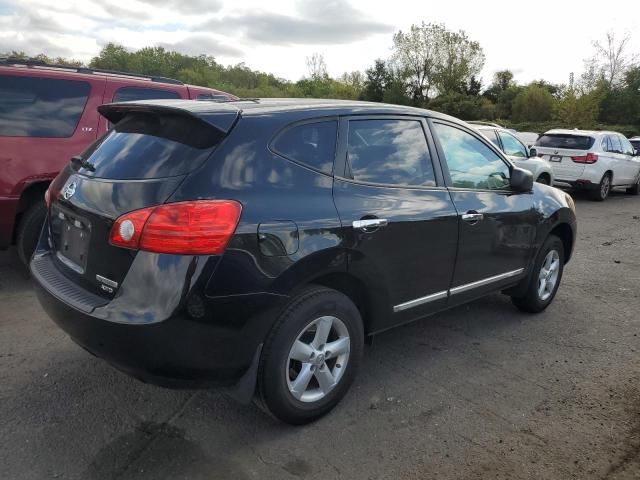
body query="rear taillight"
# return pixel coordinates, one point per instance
(201, 227)
(541, 155)
(588, 158)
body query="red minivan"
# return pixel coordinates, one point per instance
(48, 114)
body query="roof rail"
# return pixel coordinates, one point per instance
(226, 99)
(31, 62)
(488, 124)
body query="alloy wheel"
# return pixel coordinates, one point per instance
(318, 359)
(548, 277)
(605, 186)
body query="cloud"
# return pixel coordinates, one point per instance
(329, 22)
(202, 44)
(200, 7)
(33, 45)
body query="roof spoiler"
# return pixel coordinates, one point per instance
(222, 119)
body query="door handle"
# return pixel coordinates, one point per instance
(369, 223)
(472, 217)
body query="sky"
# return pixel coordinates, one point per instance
(536, 40)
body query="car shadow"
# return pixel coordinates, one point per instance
(94, 422)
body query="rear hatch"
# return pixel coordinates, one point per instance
(139, 163)
(560, 148)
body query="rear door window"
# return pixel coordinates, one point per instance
(151, 145)
(41, 107)
(391, 152)
(127, 94)
(313, 144)
(571, 142)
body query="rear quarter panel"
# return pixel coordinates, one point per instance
(274, 191)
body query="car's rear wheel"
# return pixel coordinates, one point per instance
(544, 179)
(600, 193)
(29, 230)
(545, 278)
(311, 356)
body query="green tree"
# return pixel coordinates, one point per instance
(579, 110)
(504, 103)
(533, 104)
(460, 59)
(435, 59)
(375, 83)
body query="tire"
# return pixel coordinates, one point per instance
(544, 179)
(29, 230)
(634, 189)
(535, 298)
(604, 188)
(309, 314)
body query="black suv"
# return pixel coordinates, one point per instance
(256, 244)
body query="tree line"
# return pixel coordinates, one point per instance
(431, 67)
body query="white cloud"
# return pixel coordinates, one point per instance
(547, 39)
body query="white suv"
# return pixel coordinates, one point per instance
(597, 161)
(517, 152)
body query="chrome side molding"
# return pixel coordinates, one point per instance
(460, 289)
(420, 301)
(485, 281)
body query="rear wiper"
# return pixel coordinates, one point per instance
(79, 161)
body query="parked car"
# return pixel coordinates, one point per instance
(596, 161)
(518, 153)
(256, 244)
(47, 115)
(635, 142)
(528, 138)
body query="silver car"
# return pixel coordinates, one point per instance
(517, 152)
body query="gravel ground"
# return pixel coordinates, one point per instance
(481, 391)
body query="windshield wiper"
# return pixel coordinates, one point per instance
(79, 161)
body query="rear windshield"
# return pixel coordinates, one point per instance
(40, 107)
(150, 145)
(571, 142)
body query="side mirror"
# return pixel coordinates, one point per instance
(533, 152)
(521, 180)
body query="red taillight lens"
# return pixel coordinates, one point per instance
(541, 155)
(201, 227)
(588, 158)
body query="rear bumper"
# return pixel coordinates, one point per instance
(8, 211)
(184, 350)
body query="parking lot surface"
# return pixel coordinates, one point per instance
(481, 391)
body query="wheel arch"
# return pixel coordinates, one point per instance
(565, 233)
(357, 291)
(31, 193)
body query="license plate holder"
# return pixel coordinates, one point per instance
(73, 246)
(555, 158)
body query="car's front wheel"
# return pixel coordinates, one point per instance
(545, 278)
(311, 356)
(635, 188)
